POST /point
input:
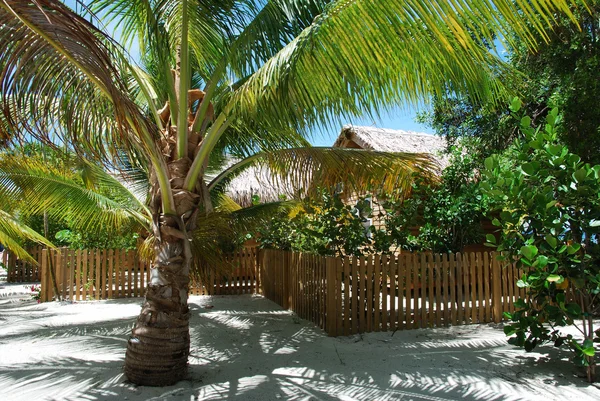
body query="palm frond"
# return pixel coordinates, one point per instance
(59, 76)
(300, 172)
(13, 233)
(250, 218)
(362, 56)
(64, 195)
(274, 24)
(243, 139)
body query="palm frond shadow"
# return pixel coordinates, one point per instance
(247, 347)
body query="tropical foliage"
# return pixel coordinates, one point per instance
(325, 225)
(444, 215)
(270, 70)
(549, 218)
(439, 217)
(564, 72)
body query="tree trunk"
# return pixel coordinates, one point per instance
(158, 349)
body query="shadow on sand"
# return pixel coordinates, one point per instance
(247, 348)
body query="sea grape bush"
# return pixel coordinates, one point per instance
(547, 208)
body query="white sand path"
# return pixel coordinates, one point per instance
(247, 348)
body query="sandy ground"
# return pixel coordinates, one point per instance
(248, 348)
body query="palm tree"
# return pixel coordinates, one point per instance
(270, 70)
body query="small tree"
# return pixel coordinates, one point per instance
(549, 222)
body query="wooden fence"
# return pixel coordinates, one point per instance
(343, 296)
(22, 271)
(77, 275)
(244, 279)
(378, 293)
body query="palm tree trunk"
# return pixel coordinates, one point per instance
(158, 349)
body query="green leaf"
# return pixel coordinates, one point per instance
(555, 150)
(573, 310)
(529, 251)
(580, 175)
(530, 345)
(522, 284)
(552, 241)
(530, 168)
(590, 351)
(525, 121)
(489, 163)
(554, 278)
(574, 248)
(542, 261)
(490, 238)
(509, 330)
(515, 105)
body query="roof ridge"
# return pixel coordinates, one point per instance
(389, 130)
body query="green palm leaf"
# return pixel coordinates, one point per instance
(365, 55)
(13, 233)
(66, 195)
(300, 172)
(60, 70)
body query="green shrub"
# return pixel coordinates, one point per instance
(549, 220)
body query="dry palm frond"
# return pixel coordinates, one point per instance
(59, 77)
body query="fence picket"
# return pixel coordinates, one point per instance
(72, 272)
(392, 291)
(480, 292)
(430, 295)
(410, 291)
(437, 263)
(401, 292)
(347, 296)
(369, 297)
(446, 289)
(473, 287)
(486, 287)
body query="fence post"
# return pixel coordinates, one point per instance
(331, 312)
(44, 279)
(496, 289)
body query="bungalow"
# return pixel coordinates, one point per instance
(258, 181)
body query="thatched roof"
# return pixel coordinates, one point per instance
(395, 141)
(257, 180)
